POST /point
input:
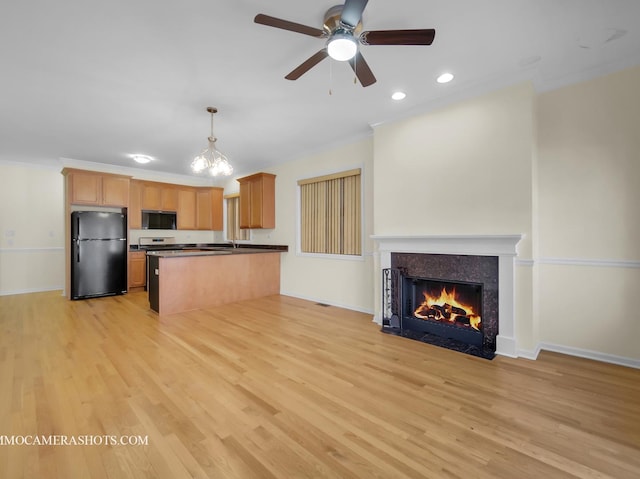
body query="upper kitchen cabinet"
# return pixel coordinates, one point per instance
(96, 189)
(159, 197)
(209, 209)
(187, 208)
(258, 201)
(135, 205)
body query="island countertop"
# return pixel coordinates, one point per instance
(210, 251)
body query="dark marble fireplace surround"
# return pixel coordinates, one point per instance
(464, 269)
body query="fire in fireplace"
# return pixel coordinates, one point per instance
(446, 305)
(445, 308)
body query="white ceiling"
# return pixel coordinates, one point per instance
(99, 80)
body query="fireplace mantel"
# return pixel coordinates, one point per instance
(502, 246)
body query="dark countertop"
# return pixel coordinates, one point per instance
(212, 251)
(217, 246)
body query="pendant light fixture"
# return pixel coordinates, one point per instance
(211, 159)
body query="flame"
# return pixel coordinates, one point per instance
(447, 309)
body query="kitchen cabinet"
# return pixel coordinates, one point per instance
(96, 189)
(159, 197)
(257, 201)
(135, 205)
(197, 208)
(209, 209)
(187, 209)
(137, 269)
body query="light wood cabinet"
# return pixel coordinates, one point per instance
(257, 201)
(96, 189)
(197, 208)
(209, 215)
(137, 269)
(169, 198)
(159, 197)
(186, 209)
(135, 205)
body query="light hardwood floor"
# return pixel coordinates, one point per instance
(284, 388)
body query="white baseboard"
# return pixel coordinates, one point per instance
(30, 290)
(528, 354)
(588, 354)
(330, 303)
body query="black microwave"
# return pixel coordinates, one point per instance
(158, 220)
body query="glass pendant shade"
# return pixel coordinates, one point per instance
(211, 159)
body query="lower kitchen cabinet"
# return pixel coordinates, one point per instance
(137, 269)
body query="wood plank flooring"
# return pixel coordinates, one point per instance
(285, 388)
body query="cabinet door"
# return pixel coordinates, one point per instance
(134, 213)
(169, 199)
(151, 197)
(245, 204)
(86, 188)
(203, 209)
(115, 191)
(137, 270)
(255, 217)
(217, 208)
(187, 209)
(268, 201)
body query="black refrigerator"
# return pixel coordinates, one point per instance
(98, 254)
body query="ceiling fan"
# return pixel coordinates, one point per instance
(342, 27)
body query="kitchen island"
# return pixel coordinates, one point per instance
(186, 280)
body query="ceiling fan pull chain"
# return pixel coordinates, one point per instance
(355, 70)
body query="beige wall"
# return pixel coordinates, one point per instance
(31, 229)
(589, 215)
(465, 169)
(340, 282)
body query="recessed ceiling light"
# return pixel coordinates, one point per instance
(445, 78)
(399, 95)
(142, 159)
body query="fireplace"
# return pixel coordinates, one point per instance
(447, 300)
(480, 268)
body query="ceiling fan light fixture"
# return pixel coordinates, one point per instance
(211, 159)
(342, 46)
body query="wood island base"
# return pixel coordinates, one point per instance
(185, 283)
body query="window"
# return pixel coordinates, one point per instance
(330, 214)
(234, 232)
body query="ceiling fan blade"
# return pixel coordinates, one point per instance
(287, 25)
(398, 37)
(352, 12)
(307, 65)
(362, 70)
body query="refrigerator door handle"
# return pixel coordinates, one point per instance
(77, 250)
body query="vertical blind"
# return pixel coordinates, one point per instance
(233, 219)
(330, 211)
